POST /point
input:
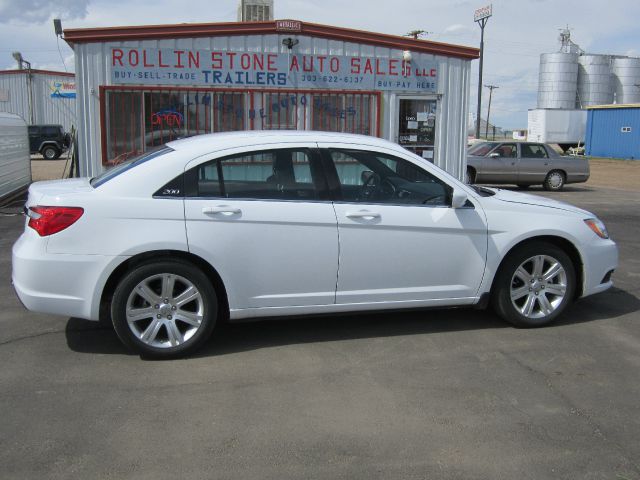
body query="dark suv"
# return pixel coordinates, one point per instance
(48, 140)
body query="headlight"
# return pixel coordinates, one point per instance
(598, 227)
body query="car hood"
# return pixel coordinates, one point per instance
(527, 199)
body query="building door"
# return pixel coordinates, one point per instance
(416, 125)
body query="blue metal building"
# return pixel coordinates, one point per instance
(613, 131)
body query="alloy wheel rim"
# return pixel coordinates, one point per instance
(538, 286)
(164, 310)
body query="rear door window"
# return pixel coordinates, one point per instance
(282, 174)
(534, 151)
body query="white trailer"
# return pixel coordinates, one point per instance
(15, 162)
(565, 127)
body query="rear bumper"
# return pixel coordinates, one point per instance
(59, 284)
(577, 177)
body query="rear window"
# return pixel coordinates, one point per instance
(113, 172)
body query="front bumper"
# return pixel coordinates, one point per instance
(601, 257)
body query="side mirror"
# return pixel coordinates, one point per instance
(458, 199)
(494, 155)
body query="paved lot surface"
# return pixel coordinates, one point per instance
(48, 169)
(451, 394)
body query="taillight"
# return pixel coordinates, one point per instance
(49, 220)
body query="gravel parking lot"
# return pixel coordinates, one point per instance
(453, 394)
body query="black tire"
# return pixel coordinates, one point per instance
(554, 181)
(508, 281)
(50, 152)
(523, 187)
(193, 336)
(470, 177)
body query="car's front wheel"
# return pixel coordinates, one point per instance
(535, 284)
(164, 309)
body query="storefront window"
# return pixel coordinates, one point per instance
(124, 132)
(349, 113)
(229, 111)
(281, 110)
(164, 117)
(140, 119)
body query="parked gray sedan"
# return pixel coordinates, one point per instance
(524, 164)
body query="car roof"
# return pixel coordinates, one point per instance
(221, 141)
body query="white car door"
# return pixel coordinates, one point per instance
(263, 219)
(400, 241)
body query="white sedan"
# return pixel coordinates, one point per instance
(258, 224)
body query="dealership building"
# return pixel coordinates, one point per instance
(141, 86)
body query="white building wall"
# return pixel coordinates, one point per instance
(15, 162)
(46, 110)
(93, 70)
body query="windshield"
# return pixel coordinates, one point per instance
(481, 149)
(113, 172)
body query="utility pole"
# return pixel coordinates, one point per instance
(486, 130)
(481, 16)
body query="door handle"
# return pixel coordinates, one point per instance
(223, 209)
(363, 214)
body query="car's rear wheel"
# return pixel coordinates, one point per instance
(535, 285)
(164, 309)
(50, 152)
(554, 180)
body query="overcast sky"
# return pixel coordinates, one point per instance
(516, 35)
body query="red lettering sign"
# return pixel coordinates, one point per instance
(116, 55)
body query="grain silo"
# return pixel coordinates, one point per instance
(558, 80)
(594, 80)
(626, 79)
